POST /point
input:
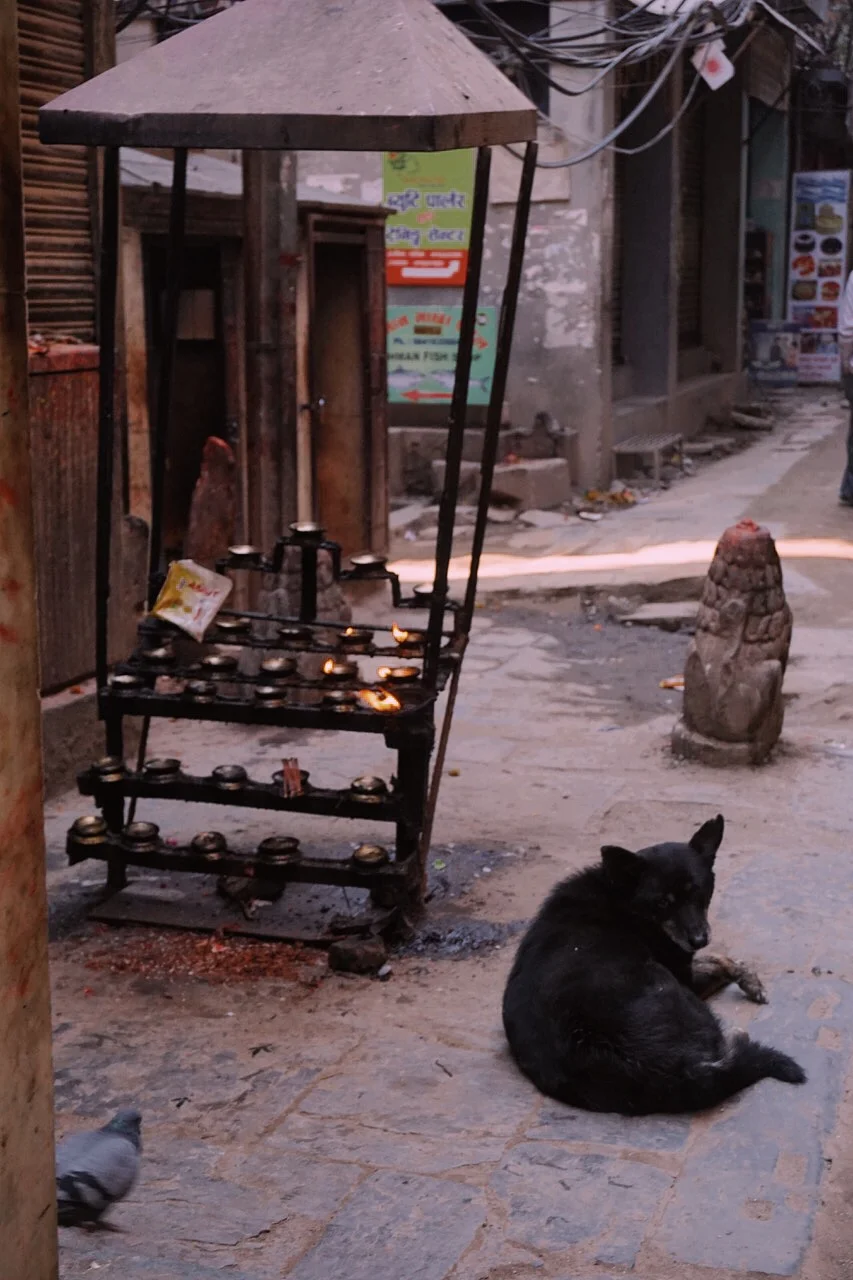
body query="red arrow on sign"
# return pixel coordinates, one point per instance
(426, 395)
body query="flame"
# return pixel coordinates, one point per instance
(350, 631)
(329, 666)
(379, 700)
(399, 634)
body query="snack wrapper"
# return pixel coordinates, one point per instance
(191, 597)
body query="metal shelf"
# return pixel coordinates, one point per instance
(251, 794)
(417, 707)
(394, 875)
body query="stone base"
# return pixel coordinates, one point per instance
(537, 484)
(691, 745)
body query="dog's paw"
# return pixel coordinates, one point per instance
(750, 984)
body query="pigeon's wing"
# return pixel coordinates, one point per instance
(114, 1163)
(95, 1173)
(74, 1150)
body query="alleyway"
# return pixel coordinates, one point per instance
(325, 1126)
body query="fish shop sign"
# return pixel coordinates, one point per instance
(422, 345)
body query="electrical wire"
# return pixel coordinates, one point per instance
(601, 47)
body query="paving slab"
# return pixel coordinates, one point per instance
(747, 1195)
(668, 616)
(397, 1226)
(555, 1198)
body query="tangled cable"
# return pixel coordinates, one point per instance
(604, 45)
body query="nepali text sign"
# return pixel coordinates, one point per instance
(428, 235)
(422, 345)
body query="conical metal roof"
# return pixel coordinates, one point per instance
(352, 75)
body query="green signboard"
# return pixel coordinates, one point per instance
(428, 235)
(422, 344)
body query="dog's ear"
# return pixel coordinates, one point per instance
(623, 867)
(708, 839)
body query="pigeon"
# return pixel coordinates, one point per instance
(97, 1168)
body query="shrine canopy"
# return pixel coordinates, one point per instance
(342, 75)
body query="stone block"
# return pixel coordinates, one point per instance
(666, 616)
(747, 1196)
(545, 519)
(397, 1225)
(559, 1123)
(357, 955)
(539, 483)
(555, 1198)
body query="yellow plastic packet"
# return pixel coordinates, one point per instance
(191, 597)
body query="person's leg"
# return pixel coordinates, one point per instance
(846, 494)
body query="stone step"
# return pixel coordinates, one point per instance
(535, 484)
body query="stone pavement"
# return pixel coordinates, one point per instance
(672, 535)
(378, 1131)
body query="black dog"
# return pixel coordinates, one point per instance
(604, 1005)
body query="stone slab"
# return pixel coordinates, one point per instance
(747, 1195)
(546, 519)
(538, 484)
(557, 1123)
(555, 1198)
(397, 1226)
(670, 616)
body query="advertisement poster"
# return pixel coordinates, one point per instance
(428, 235)
(817, 268)
(422, 343)
(774, 353)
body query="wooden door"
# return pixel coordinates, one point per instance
(346, 340)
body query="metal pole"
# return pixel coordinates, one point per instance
(487, 467)
(502, 354)
(27, 1188)
(458, 415)
(106, 408)
(168, 339)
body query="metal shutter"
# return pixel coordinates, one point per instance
(691, 182)
(57, 208)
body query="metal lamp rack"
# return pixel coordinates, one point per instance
(163, 99)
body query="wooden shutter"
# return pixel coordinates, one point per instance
(57, 208)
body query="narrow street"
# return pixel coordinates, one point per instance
(312, 1124)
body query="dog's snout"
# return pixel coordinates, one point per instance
(698, 938)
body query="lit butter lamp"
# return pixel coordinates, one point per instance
(379, 700)
(338, 670)
(398, 675)
(356, 639)
(408, 641)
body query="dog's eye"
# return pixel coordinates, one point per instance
(664, 903)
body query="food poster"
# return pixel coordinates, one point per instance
(818, 268)
(428, 235)
(774, 353)
(422, 345)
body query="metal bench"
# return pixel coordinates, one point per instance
(654, 446)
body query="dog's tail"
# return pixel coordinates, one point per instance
(744, 1063)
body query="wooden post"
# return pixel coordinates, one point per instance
(136, 375)
(27, 1187)
(271, 262)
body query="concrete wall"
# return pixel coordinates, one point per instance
(562, 330)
